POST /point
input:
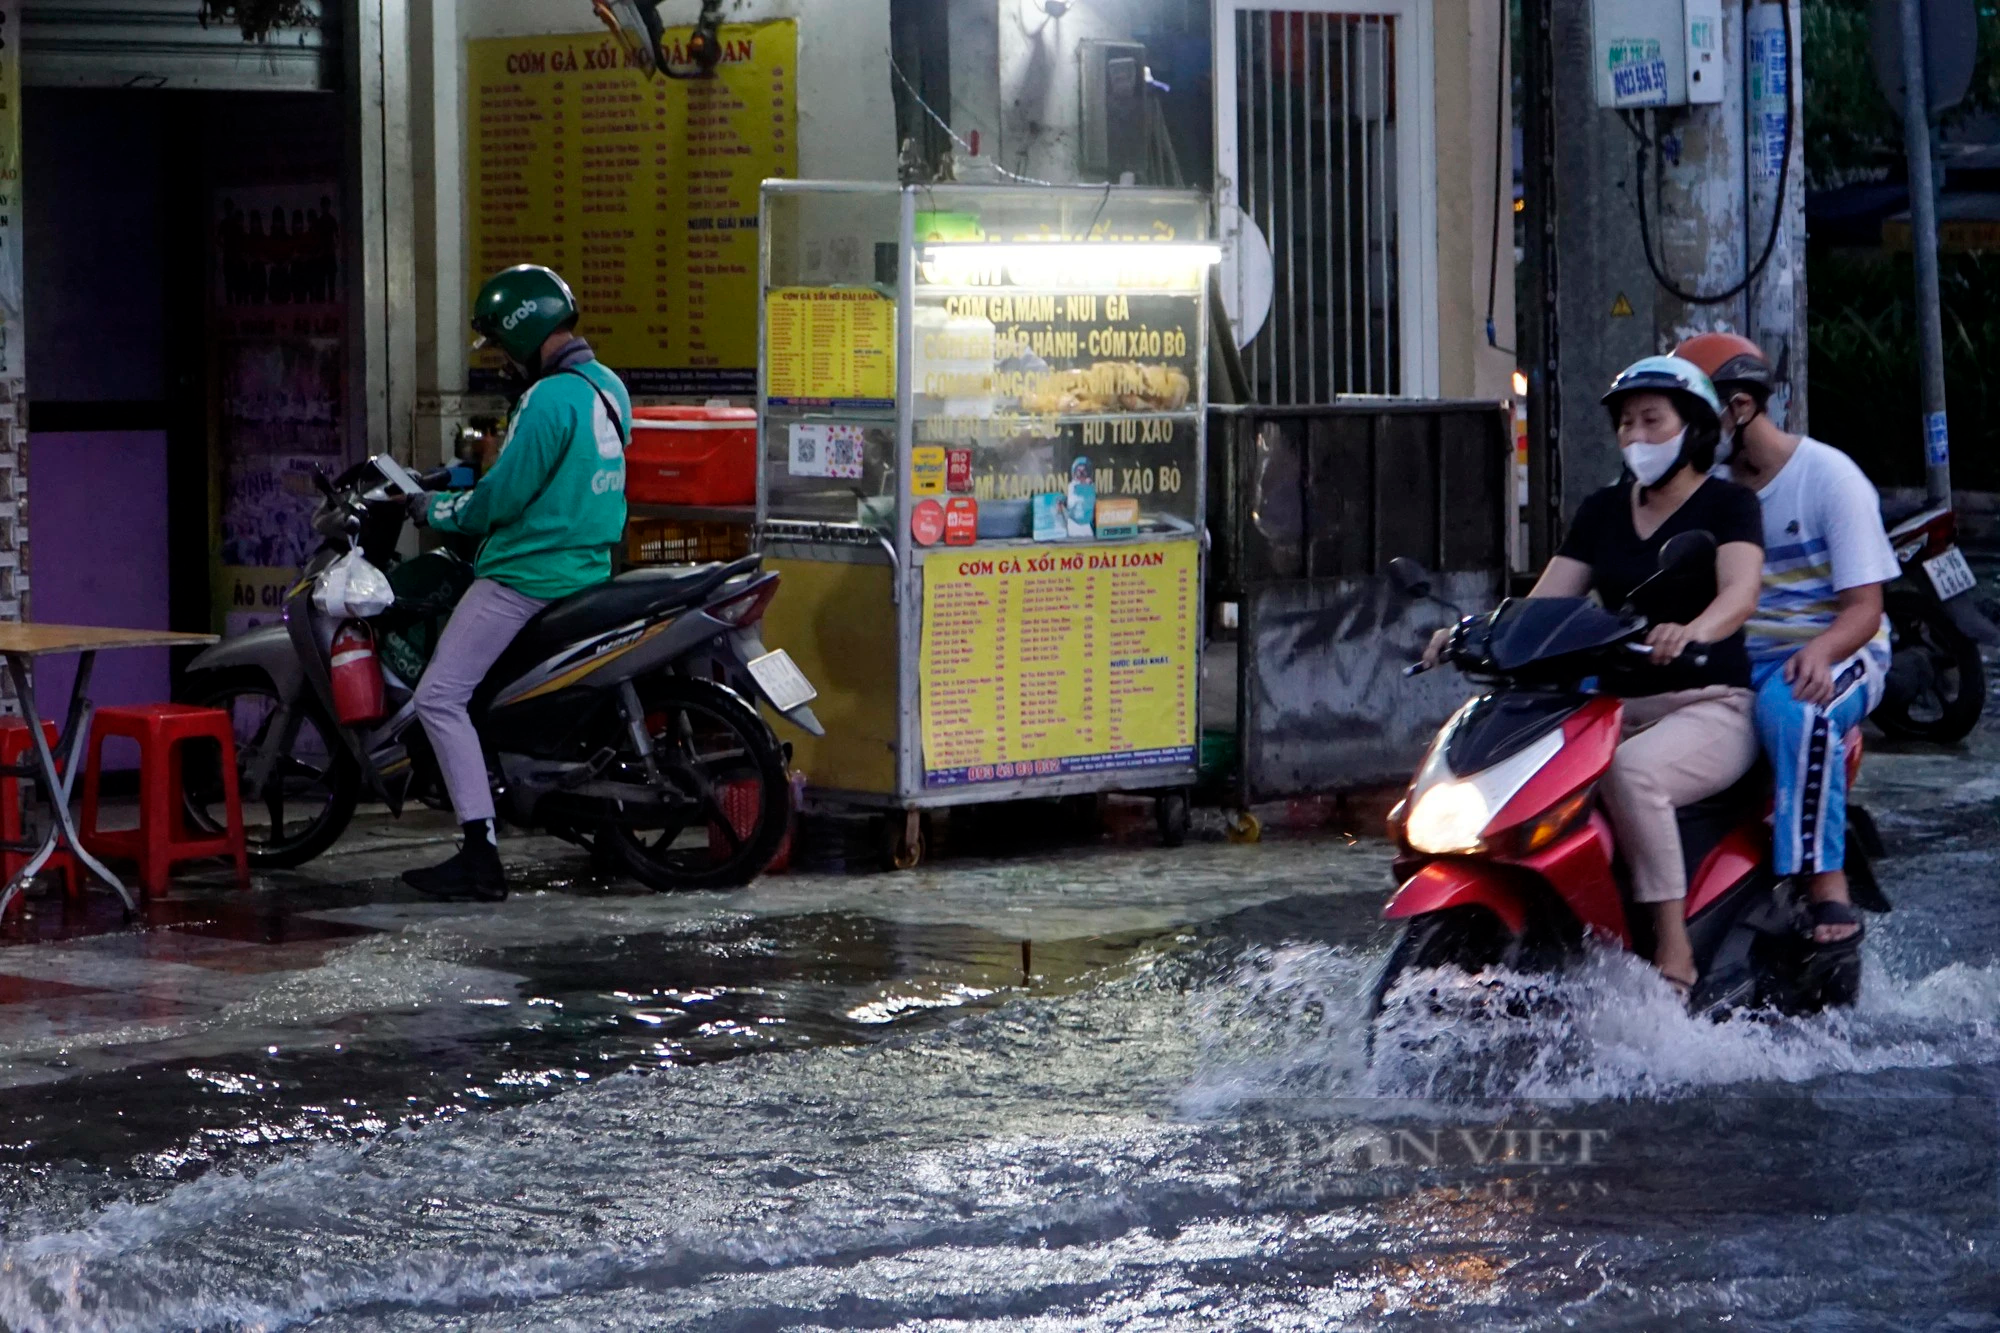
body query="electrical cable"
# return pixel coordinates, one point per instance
(1756, 270)
(946, 127)
(1500, 128)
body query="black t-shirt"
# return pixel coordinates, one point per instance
(1602, 536)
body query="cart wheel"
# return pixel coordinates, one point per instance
(903, 841)
(1170, 810)
(1245, 828)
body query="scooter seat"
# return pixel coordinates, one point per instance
(629, 597)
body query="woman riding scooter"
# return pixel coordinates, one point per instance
(1688, 728)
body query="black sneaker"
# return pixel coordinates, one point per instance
(474, 875)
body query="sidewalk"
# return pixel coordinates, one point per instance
(325, 988)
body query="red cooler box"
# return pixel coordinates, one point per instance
(692, 456)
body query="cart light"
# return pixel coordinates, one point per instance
(1520, 385)
(1556, 822)
(748, 607)
(1448, 819)
(1163, 266)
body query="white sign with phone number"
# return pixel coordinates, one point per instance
(824, 450)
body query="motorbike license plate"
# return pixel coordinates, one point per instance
(782, 682)
(1950, 575)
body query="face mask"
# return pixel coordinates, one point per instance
(1650, 462)
(1725, 449)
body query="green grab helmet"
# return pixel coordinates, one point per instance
(519, 308)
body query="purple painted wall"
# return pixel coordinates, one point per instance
(99, 555)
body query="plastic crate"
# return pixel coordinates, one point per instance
(666, 541)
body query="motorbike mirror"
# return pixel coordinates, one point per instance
(1688, 552)
(1410, 577)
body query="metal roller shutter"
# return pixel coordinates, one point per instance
(162, 44)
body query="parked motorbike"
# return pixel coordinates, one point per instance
(1507, 859)
(623, 718)
(1936, 688)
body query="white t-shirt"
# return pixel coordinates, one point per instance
(1822, 535)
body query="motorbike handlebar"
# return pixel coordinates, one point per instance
(1694, 655)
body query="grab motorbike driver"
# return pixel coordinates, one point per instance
(1688, 732)
(549, 511)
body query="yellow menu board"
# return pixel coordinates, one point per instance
(642, 192)
(830, 346)
(1037, 663)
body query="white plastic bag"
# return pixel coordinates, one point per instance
(352, 588)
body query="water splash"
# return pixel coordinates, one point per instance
(1292, 1024)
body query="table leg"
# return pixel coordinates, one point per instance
(76, 731)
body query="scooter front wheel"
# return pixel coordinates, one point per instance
(314, 784)
(1470, 939)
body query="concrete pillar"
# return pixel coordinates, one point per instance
(1697, 209)
(1603, 268)
(13, 338)
(438, 162)
(1776, 318)
(383, 244)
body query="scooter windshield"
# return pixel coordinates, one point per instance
(1540, 629)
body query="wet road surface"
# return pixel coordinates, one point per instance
(1098, 1087)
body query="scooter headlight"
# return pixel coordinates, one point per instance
(1448, 819)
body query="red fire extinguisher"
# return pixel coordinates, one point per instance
(357, 675)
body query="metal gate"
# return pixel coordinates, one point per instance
(1325, 149)
(1309, 505)
(165, 44)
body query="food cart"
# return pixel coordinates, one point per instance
(982, 416)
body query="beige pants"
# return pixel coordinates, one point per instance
(1678, 748)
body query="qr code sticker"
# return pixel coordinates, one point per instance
(823, 450)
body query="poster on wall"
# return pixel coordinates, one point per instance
(643, 192)
(278, 342)
(1038, 664)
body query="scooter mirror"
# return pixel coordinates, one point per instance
(1410, 577)
(1688, 552)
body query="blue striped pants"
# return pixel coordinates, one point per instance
(1807, 745)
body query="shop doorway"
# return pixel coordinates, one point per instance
(187, 354)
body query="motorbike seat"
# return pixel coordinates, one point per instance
(629, 597)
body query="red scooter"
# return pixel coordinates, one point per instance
(1507, 858)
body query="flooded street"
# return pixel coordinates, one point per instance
(1088, 1087)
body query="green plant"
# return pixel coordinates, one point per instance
(1850, 131)
(1863, 377)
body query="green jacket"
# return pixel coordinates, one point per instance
(554, 504)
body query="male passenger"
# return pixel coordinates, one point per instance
(1819, 645)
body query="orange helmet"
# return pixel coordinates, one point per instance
(1732, 361)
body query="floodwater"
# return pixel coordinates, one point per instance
(1094, 1089)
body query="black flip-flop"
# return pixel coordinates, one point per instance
(1683, 990)
(1834, 914)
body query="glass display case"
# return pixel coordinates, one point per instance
(995, 395)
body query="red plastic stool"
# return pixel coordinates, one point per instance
(16, 744)
(163, 836)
